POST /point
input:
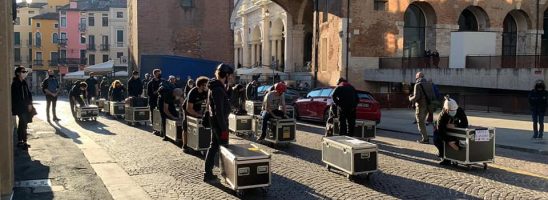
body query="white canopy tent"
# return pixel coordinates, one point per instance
(120, 74)
(266, 71)
(102, 68)
(79, 75)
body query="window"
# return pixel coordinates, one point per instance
(38, 39)
(30, 39)
(119, 54)
(82, 39)
(63, 54)
(31, 12)
(17, 54)
(63, 38)
(83, 57)
(119, 14)
(91, 42)
(363, 95)
(63, 22)
(56, 26)
(380, 5)
(38, 25)
(105, 21)
(17, 38)
(63, 12)
(313, 94)
(17, 21)
(55, 38)
(29, 20)
(91, 21)
(186, 3)
(91, 59)
(30, 54)
(120, 37)
(105, 39)
(326, 92)
(105, 58)
(38, 56)
(54, 58)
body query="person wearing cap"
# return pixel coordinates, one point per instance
(537, 101)
(134, 85)
(273, 101)
(50, 87)
(219, 109)
(451, 116)
(346, 99)
(93, 87)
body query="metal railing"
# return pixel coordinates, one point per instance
(413, 62)
(518, 61)
(53, 62)
(91, 47)
(105, 47)
(62, 42)
(38, 62)
(82, 27)
(73, 61)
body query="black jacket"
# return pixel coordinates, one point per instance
(153, 86)
(21, 97)
(251, 92)
(117, 94)
(134, 87)
(460, 120)
(220, 104)
(538, 100)
(346, 97)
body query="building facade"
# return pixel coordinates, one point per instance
(190, 28)
(73, 40)
(23, 32)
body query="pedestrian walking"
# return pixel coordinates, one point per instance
(451, 116)
(21, 105)
(346, 99)
(93, 87)
(218, 108)
(50, 87)
(117, 91)
(152, 92)
(273, 101)
(78, 94)
(135, 85)
(421, 98)
(193, 105)
(537, 101)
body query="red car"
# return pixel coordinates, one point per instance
(317, 102)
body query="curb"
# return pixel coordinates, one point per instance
(522, 149)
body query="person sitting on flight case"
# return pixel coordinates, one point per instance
(451, 116)
(273, 100)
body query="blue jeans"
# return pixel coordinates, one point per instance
(538, 123)
(266, 117)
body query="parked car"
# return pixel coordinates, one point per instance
(291, 95)
(317, 102)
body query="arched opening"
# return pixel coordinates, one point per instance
(473, 18)
(238, 54)
(256, 47)
(515, 25)
(419, 19)
(277, 43)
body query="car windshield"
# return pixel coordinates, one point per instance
(365, 96)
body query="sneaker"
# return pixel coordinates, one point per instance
(423, 141)
(186, 150)
(445, 162)
(210, 178)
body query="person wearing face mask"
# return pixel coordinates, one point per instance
(93, 87)
(50, 87)
(169, 100)
(105, 86)
(451, 116)
(21, 105)
(165, 94)
(77, 95)
(152, 92)
(117, 91)
(538, 98)
(134, 85)
(146, 79)
(193, 105)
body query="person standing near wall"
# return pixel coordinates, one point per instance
(537, 101)
(21, 100)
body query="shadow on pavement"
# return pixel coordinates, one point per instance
(95, 127)
(300, 152)
(65, 132)
(28, 169)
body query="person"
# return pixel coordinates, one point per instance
(116, 92)
(421, 98)
(537, 101)
(169, 108)
(193, 105)
(135, 85)
(172, 81)
(50, 87)
(251, 90)
(219, 110)
(105, 86)
(237, 98)
(436, 58)
(272, 102)
(165, 91)
(21, 105)
(93, 87)
(346, 100)
(145, 83)
(189, 86)
(152, 92)
(77, 95)
(451, 116)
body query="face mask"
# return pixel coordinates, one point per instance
(452, 113)
(24, 75)
(136, 76)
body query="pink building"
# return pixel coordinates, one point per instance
(72, 43)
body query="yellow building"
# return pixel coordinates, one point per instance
(45, 33)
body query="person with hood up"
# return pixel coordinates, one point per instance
(117, 91)
(135, 85)
(451, 116)
(537, 101)
(219, 108)
(346, 99)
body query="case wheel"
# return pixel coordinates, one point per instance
(485, 166)
(327, 167)
(240, 193)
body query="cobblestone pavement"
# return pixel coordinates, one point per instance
(407, 170)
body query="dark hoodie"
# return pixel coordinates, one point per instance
(345, 96)
(21, 97)
(538, 100)
(220, 104)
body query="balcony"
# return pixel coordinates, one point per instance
(515, 62)
(91, 47)
(413, 62)
(82, 27)
(105, 47)
(17, 43)
(38, 63)
(53, 62)
(73, 61)
(62, 42)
